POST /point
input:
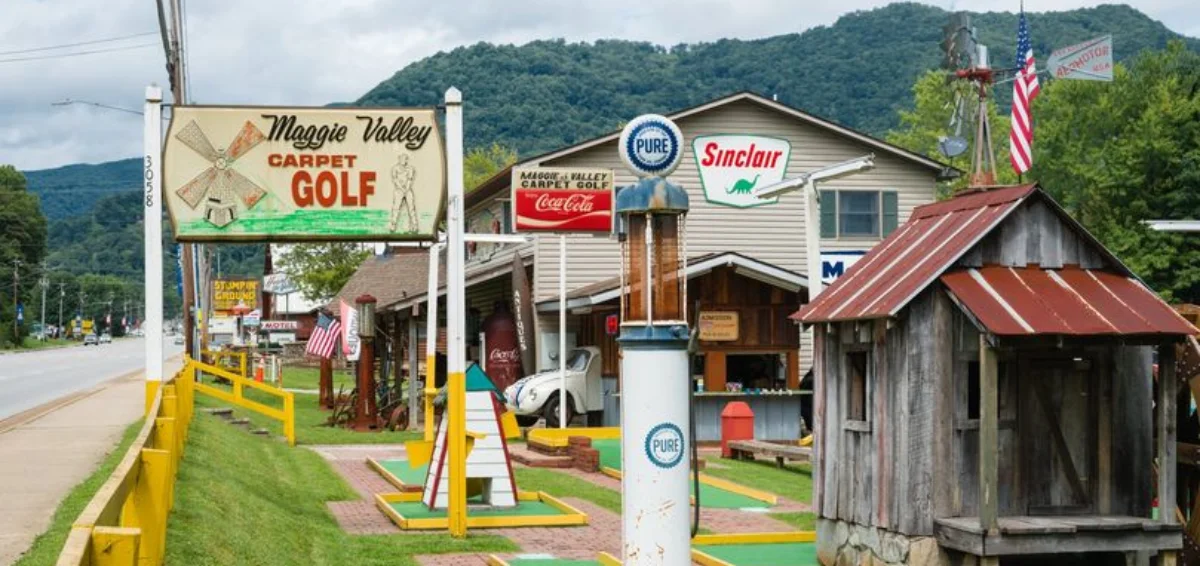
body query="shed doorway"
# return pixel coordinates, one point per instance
(1058, 441)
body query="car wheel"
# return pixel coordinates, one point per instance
(526, 421)
(550, 411)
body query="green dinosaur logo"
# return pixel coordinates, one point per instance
(742, 186)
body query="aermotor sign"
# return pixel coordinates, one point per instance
(731, 166)
(285, 174)
(555, 199)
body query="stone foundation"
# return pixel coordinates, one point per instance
(845, 544)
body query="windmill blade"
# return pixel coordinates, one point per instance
(194, 190)
(192, 136)
(246, 139)
(244, 188)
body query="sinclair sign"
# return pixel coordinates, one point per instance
(556, 199)
(731, 166)
(287, 174)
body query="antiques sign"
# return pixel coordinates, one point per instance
(719, 326)
(227, 293)
(553, 199)
(289, 174)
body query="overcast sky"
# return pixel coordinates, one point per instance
(311, 52)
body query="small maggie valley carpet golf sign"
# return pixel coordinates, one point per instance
(554, 199)
(732, 166)
(248, 173)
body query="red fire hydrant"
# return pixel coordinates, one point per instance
(737, 423)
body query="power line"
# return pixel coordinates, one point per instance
(77, 53)
(66, 45)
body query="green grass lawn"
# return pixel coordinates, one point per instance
(310, 421)
(242, 499)
(559, 484)
(48, 545)
(793, 481)
(309, 378)
(31, 343)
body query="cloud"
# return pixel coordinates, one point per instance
(312, 52)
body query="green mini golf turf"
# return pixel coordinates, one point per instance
(771, 554)
(418, 510)
(407, 474)
(712, 497)
(549, 562)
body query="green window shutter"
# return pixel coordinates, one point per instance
(891, 211)
(828, 214)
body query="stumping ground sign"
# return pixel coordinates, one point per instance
(732, 166)
(289, 174)
(555, 199)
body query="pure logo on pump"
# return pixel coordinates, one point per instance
(651, 145)
(665, 446)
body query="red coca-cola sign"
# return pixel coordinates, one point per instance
(562, 200)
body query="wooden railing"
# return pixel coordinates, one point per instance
(125, 523)
(235, 396)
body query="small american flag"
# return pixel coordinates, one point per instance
(1025, 88)
(324, 336)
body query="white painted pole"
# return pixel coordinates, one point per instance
(152, 246)
(431, 329)
(812, 229)
(455, 309)
(562, 331)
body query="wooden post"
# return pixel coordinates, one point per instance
(1166, 433)
(714, 371)
(414, 394)
(793, 369)
(325, 399)
(989, 429)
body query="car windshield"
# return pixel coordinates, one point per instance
(578, 360)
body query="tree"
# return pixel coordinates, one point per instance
(22, 245)
(1117, 154)
(481, 163)
(934, 102)
(321, 270)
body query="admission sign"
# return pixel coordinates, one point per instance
(290, 174)
(732, 165)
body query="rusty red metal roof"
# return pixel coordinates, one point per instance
(911, 258)
(1070, 301)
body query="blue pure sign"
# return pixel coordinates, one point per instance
(664, 445)
(651, 146)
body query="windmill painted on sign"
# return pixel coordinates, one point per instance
(220, 186)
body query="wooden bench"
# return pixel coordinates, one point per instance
(746, 449)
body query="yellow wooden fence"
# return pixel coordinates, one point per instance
(235, 396)
(126, 521)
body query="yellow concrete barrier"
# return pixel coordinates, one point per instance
(125, 523)
(235, 396)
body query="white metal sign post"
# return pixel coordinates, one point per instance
(152, 226)
(455, 309)
(562, 331)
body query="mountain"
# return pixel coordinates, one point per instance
(74, 189)
(858, 72)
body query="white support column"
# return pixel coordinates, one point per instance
(152, 246)
(812, 238)
(431, 331)
(562, 331)
(455, 309)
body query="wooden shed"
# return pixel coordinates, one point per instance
(985, 395)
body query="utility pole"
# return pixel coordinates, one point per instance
(16, 298)
(62, 293)
(45, 283)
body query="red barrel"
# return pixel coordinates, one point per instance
(503, 348)
(737, 423)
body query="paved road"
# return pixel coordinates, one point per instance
(29, 379)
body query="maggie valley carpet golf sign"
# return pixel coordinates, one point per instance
(247, 173)
(731, 166)
(560, 199)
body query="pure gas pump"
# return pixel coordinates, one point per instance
(654, 340)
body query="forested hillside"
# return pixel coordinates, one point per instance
(858, 71)
(73, 189)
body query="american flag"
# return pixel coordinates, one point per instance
(324, 336)
(1025, 88)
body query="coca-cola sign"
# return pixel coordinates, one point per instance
(512, 356)
(549, 199)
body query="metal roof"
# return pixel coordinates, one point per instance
(911, 258)
(1070, 301)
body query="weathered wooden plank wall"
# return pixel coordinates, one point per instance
(1033, 234)
(1132, 430)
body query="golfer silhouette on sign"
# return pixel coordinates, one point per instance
(403, 199)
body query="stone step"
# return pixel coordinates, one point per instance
(240, 422)
(224, 412)
(260, 431)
